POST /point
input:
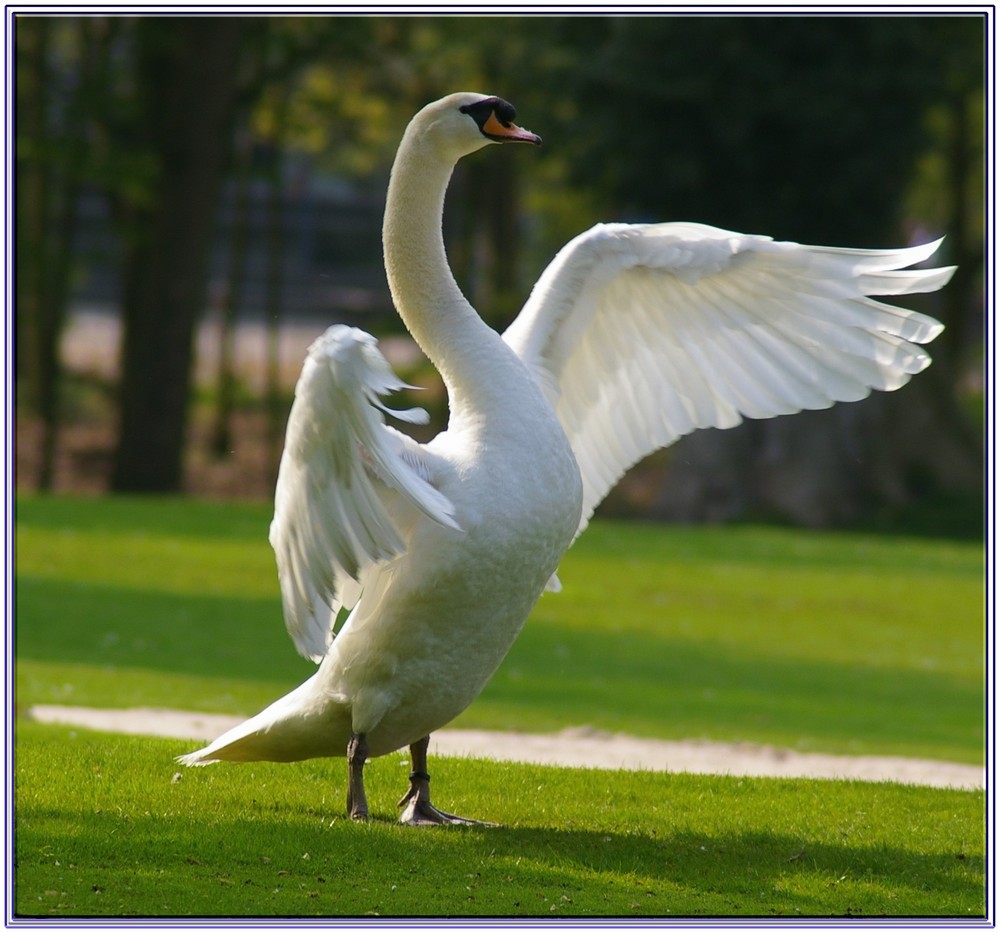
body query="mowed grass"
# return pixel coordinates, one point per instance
(105, 828)
(822, 642)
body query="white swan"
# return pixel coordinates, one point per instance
(634, 336)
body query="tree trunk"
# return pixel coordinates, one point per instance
(34, 193)
(504, 237)
(53, 160)
(230, 301)
(186, 81)
(277, 414)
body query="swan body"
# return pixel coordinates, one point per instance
(634, 336)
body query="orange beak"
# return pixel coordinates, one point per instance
(510, 133)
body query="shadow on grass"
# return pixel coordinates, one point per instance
(143, 865)
(554, 676)
(218, 636)
(750, 870)
(178, 516)
(110, 832)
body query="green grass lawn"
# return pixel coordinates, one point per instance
(109, 831)
(834, 642)
(821, 642)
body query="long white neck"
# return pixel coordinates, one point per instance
(424, 291)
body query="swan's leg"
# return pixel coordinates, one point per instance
(417, 800)
(357, 754)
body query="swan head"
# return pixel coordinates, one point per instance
(459, 124)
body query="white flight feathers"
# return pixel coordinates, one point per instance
(641, 333)
(638, 334)
(341, 470)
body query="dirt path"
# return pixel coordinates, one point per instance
(572, 747)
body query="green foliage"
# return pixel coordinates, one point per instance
(821, 642)
(105, 828)
(802, 127)
(814, 127)
(729, 120)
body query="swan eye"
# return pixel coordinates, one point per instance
(497, 107)
(495, 118)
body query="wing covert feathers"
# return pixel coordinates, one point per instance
(342, 473)
(640, 334)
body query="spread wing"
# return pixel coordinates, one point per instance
(641, 333)
(348, 485)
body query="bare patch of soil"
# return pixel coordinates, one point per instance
(583, 748)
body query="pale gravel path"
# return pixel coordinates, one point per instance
(571, 747)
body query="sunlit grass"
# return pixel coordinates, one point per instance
(839, 642)
(105, 827)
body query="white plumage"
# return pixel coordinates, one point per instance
(642, 333)
(634, 336)
(341, 472)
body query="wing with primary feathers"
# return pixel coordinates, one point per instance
(641, 333)
(344, 481)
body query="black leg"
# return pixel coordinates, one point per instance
(419, 811)
(357, 754)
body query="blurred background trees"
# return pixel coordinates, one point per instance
(193, 175)
(182, 107)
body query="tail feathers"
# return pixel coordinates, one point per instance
(196, 759)
(290, 729)
(241, 743)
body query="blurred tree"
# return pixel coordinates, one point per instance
(36, 318)
(274, 307)
(185, 94)
(230, 297)
(351, 107)
(279, 54)
(948, 189)
(776, 124)
(53, 164)
(804, 128)
(810, 128)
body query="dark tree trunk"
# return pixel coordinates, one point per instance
(187, 79)
(483, 236)
(34, 195)
(230, 302)
(503, 233)
(53, 160)
(277, 413)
